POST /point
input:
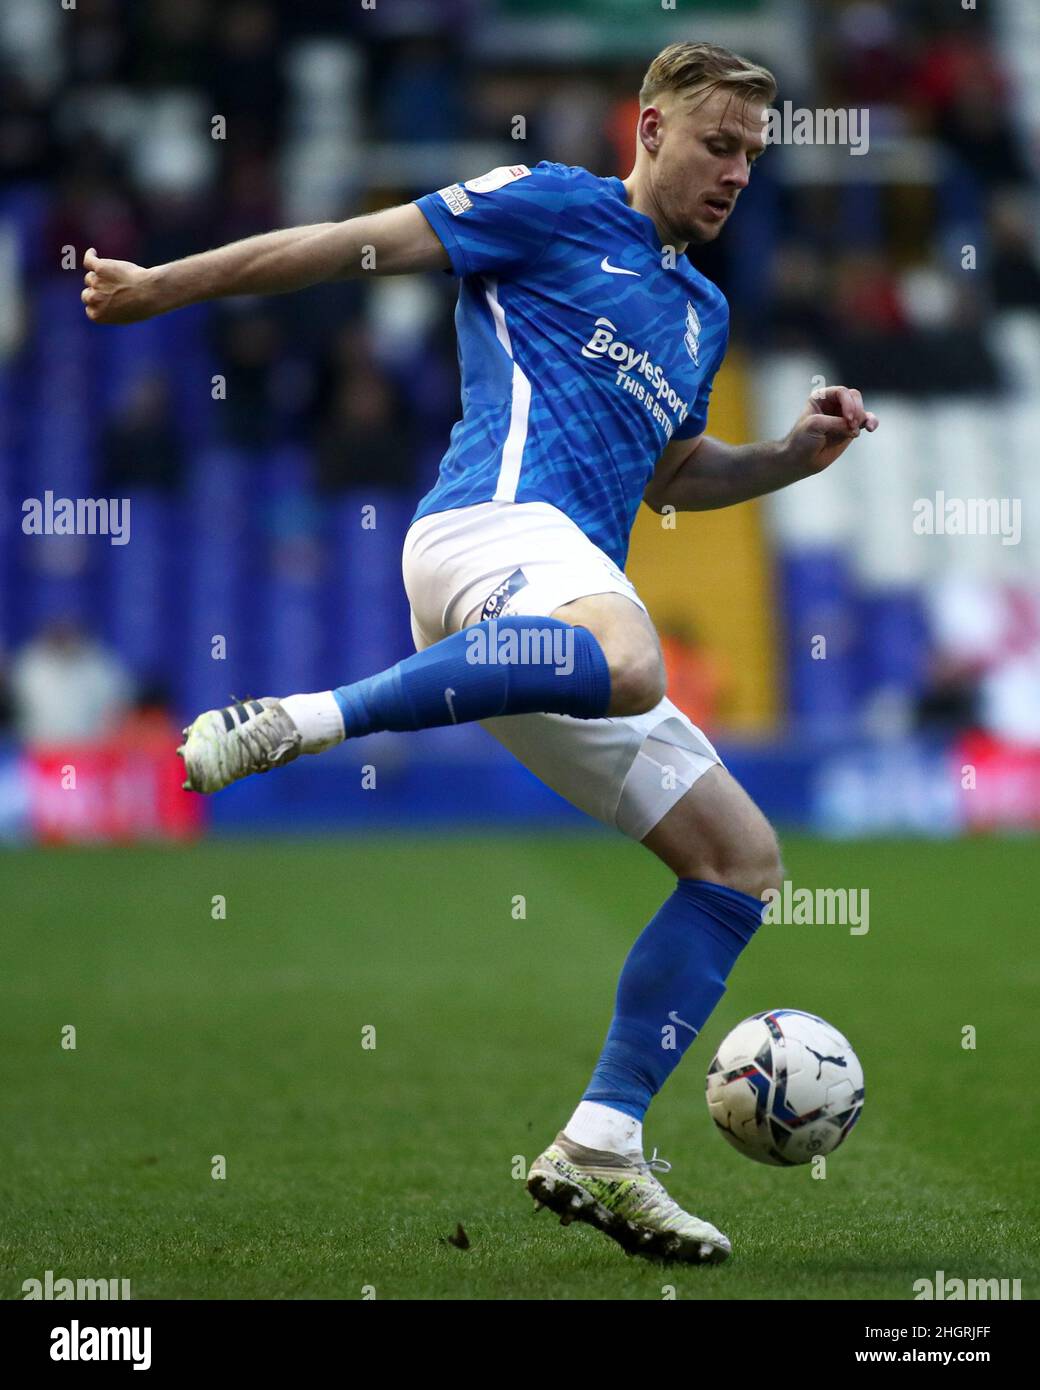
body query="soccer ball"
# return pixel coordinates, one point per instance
(785, 1087)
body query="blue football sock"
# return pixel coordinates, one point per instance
(503, 666)
(674, 976)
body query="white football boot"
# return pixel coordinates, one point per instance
(224, 745)
(624, 1200)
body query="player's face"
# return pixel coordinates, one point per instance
(707, 146)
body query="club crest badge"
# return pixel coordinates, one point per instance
(692, 338)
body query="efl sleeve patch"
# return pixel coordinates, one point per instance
(501, 221)
(497, 178)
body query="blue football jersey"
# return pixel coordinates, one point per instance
(583, 351)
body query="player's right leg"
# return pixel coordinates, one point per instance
(606, 662)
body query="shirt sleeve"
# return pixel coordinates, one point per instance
(696, 421)
(501, 221)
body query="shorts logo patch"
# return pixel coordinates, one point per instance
(498, 599)
(455, 199)
(497, 178)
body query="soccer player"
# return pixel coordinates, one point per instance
(588, 344)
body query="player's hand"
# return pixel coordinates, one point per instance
(116, 291)
(832, 419)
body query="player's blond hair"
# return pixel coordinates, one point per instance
(688, 67)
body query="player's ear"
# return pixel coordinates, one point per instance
(650, 121)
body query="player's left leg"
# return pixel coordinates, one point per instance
(724, 855)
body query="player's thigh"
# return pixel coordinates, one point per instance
(497, 560)
(624, 771)
(614, 620)
(629, 642)
(716, 832)
(627, 638)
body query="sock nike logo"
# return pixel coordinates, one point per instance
(676, 1019)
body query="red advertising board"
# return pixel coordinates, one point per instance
(114, 791)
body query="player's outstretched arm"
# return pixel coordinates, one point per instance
(395, 241)
(703, 474)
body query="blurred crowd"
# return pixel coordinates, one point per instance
(877, 277)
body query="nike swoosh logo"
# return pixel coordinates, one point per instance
(617, 269)
(676, 1019)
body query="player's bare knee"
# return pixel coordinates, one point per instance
(756, 868)
(762, 870)
(637, 681)
(748, 862)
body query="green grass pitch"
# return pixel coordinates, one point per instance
(348, 1167)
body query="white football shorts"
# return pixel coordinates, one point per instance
(507, 559)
